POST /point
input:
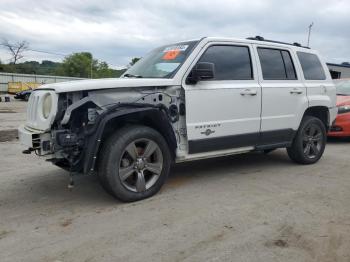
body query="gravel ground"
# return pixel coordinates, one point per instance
(250, 207)
(12, 114)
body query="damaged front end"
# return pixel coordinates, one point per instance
(84, 120)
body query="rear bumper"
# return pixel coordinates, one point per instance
(341, 126)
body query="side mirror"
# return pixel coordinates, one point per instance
(202, 70)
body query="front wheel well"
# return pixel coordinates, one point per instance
(155, 119)
(320, 112)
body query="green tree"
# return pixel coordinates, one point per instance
(28, 67)
(84, 65)
(8, 68)
(78, 65)
(103, 71)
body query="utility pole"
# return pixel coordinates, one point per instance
(91, 67)
(309, 34)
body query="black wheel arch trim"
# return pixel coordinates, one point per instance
(94, 136)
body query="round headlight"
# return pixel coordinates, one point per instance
(47, 105)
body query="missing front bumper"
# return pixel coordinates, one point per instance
(35, 140)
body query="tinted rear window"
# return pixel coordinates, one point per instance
(311, 65)
(276, 64)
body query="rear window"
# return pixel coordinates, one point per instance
(311, 65)
(276, 64)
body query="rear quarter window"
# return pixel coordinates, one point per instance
(311, 65)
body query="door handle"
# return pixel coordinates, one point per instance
(249, 92)
(297, 91)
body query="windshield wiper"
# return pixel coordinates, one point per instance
(131, 75)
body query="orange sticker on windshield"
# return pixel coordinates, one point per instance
(171, 55)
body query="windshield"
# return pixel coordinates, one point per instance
(162, 62)
(343, 87)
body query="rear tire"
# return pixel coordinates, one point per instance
(134, 163)
(309, 142)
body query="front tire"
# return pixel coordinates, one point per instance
(134, 163)
(310, 141)
(26, 97)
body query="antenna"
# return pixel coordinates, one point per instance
(309, 34)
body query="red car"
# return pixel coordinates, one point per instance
(341, 126)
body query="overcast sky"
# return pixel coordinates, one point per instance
(115, 31)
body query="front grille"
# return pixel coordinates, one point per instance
(36, 141)
(35, 118)
(32, 109)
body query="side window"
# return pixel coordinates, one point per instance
(288, 63)
(276, 64)
(311, 66)
(231, 62)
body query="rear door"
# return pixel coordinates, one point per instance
(284, 97)
(224, 112)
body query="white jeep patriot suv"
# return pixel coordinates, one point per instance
(185, 101)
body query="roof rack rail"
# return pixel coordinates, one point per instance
(260, 38)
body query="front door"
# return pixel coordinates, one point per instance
(224, 112)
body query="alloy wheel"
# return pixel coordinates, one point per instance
(141, 165)
(312, 141)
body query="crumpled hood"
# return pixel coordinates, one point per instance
(343, 100)
(106, 83)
